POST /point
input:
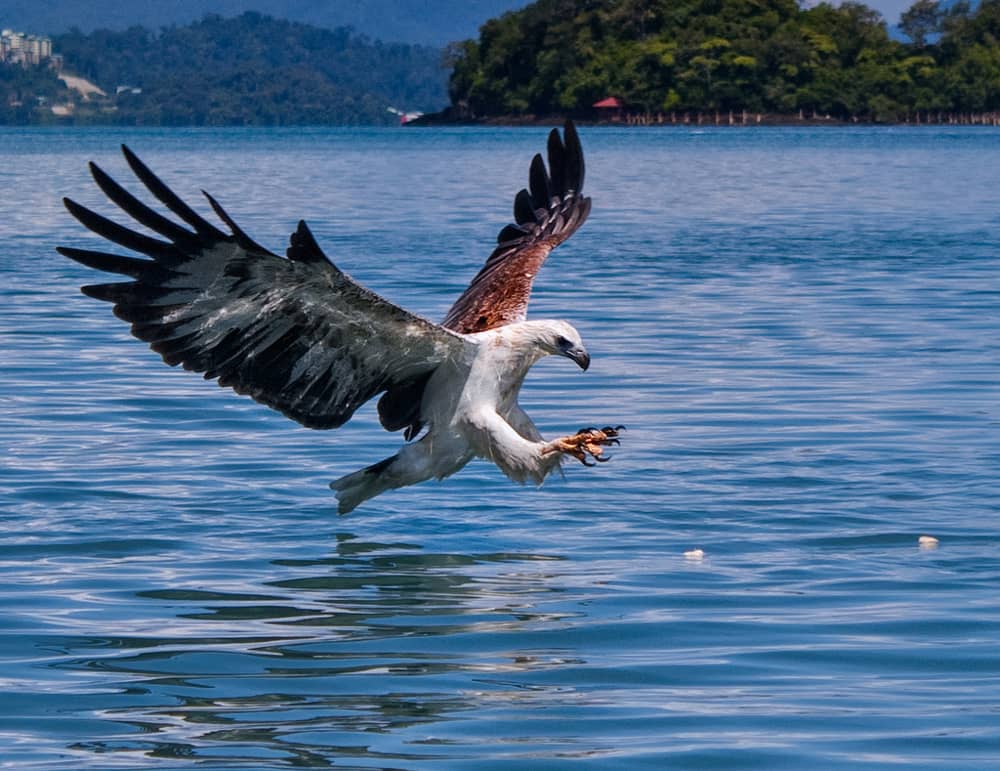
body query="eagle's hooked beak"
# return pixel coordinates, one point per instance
(579, 355)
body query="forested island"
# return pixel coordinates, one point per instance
(651, 60)
(248, 70)
(682, 57)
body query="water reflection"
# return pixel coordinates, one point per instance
(372, 639)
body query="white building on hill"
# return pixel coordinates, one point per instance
(19, 48)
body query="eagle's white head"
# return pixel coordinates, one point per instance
(551, 337)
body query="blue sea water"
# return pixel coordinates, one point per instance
(801, 330)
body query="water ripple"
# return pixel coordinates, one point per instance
(799, 329)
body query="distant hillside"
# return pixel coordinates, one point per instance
(250, 70)
(425, 22)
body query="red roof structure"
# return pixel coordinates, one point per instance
(611, 102)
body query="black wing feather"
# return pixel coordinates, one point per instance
(302, 247)
(524, 210)
(170, 199)
(140, 212)
(241, 238)
(573, 153)
(111, 263)
(295, 334)
(557, 163)
(119, 234)
(538, 182)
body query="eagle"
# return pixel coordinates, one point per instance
(299, 335)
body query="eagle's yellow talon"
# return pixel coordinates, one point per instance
(587, 443)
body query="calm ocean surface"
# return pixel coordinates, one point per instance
(801, 330)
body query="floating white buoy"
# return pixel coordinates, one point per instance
(695, 555)
(927, 542)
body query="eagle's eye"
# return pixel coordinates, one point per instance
(562, 342)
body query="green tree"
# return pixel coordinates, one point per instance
(921, 20)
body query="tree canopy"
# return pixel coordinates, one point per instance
(772, 56)
(554, 57)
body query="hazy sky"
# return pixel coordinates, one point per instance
(890, 9)
(433, 22)
(429, 22)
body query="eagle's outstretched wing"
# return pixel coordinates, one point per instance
(296, 334)
(545, 215)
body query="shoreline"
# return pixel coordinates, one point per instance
(679, 121)
(707, 119)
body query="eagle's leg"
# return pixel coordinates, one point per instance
(586, 443)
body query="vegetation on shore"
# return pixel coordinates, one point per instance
(762, 56)
(663, 60)
(26, 94)
(248, 70)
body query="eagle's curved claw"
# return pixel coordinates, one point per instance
(586, 444)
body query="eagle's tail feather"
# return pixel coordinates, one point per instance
(354, 489)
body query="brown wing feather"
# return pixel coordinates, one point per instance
(545, 215)
(500, 296)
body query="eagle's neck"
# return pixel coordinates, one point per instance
(506, 355)
(523, 345)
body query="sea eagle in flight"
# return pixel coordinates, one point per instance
(302, 337)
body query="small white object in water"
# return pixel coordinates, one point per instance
(927, 542)
(695, 555)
